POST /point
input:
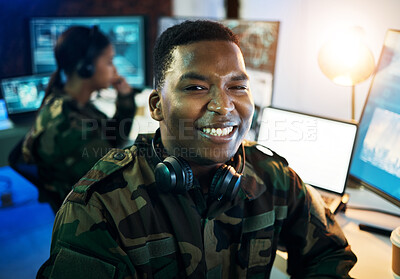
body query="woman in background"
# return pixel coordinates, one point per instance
(70, 134)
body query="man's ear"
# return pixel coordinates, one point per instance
(155, 106)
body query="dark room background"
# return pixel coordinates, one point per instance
(14, 25)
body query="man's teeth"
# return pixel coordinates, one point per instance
(218, 132)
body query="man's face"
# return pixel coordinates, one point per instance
(205, 106)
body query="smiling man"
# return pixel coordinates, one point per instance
(195, 200)
(204, 104)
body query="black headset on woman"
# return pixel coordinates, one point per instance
(86, 68)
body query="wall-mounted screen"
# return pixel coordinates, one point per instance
(127, 34)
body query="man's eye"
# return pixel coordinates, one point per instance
(239, 87)
(195, 88)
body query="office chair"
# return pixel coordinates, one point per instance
(31, 173)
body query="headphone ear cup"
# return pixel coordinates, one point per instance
(225, 183)
(173, 175)
(187, 176)
(85, 70)
(216, 183)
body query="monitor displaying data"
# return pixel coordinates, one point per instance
(376, 160)
(127, 34)
(24, 93)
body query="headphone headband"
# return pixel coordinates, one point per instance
(85, 67)
(174, 174)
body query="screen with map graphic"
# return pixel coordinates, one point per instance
(376, 159)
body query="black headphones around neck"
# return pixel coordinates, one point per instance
(86, 67)
(173, 174)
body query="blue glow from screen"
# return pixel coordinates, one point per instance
(376, 160)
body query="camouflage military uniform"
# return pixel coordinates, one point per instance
(66, 140)
(115, 224)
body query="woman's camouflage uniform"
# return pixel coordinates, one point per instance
(66, 139)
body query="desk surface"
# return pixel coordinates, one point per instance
(374, 252)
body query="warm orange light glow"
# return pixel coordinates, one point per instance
(345, 59)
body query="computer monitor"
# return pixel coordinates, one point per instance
(127, 34)
(319, 149)
(24, 94)
(376, 159)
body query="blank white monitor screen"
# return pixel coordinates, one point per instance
(318, 149)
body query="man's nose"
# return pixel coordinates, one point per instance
(220, 102)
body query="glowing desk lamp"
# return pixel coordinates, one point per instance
(346, 61)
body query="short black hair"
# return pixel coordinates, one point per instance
(183, 34)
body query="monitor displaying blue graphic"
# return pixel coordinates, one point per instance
(24, 93)
(376, 159)
(127, 34)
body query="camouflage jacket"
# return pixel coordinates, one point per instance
(115, 224)
(66, 139)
